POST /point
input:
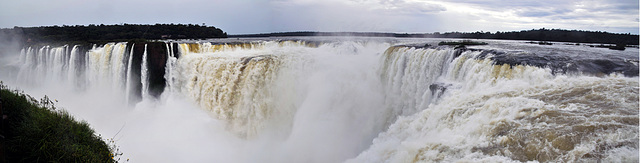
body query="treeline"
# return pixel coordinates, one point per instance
(534, 35)
(101, 33)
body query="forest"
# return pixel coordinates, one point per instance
(97, 34)
(542, 34)
(104, 33)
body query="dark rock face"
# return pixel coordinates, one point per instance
(80, 59)
(559, 63)
(608, 66)
(176, 52)
(156, 60)
(136, 62)
(437, 89)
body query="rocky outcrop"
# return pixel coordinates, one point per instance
(559, 63)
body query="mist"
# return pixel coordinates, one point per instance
(10, 45)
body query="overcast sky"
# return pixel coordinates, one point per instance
(259, 16)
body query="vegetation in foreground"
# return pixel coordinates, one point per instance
(34, 131)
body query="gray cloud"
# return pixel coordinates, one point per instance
(242, 16)
(403, 7)
(327, 16)
(537, 12)
(256, 16)
(571, 14)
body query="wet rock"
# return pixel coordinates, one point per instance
(156, 59)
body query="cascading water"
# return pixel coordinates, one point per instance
(47, 63)
(106, 66)
(144, 77)
(73, 65)
(129, 71)
(410, 76)
(101, 67)
(171, 62)
(118, 66)
(238, 84)
(57, 55)
(509, 113)
(359, 101)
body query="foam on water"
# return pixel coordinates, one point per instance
(502, 113)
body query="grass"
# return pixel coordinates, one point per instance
(463, 42)
(36, 131)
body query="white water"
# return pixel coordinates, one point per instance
(118, 66)
(107, 67)
(171, 62)
(350, 100)
(144, 77)
(500, 114)
(408, 74)
(129, 81)
(72, 74)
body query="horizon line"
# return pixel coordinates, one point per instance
(394, 32)
(410, 33)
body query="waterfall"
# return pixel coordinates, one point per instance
(106, 66)
(499, 112)
(52, 66)
(359, 101)
(128, 79)
(236, 85)
(73, 66)
(57, 64)
(144, 77)
(410, 76)
(171, 62)
(118, 66)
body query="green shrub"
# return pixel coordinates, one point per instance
(36, 132)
